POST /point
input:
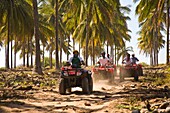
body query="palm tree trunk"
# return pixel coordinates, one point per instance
(93, 53)
(115, 54)
(73, 44)
(37, 68)
(168, 24)
(68, 47)
(15, 52)
(31, 50)
(151, 57)
(23, 49)
(107, 48)
(87, 33)
(11, 54)
(79, 46)
(7, 47)
(28, 50)
(56, 36)
(61, 51)
(50, 58)
(43, 56)
(112, 53)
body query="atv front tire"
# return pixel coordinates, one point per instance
(90, 80)
(85, 86)
(62, 88)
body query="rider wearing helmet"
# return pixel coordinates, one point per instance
(76, 60)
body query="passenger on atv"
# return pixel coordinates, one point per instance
(130, 67)
(134, 59)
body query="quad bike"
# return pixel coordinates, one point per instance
(75, 77)
(104, 72)
(133, 70)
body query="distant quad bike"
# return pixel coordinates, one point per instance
(75, 77)
(104, 73)
(134, 70)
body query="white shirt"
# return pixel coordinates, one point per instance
(103, 62)
(127, 62)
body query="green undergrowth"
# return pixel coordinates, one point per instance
(25, 77)
(158, 77)
(131, 103)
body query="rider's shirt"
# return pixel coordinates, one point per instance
(134, 60)
(127, 62)
(76, 60)
(103, 61)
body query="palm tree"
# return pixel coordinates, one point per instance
(151, 19)
(37, 68)
(12, 19)
(56, 36)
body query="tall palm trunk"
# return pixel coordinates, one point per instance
(31, 51)
(115, 54)
(88, 33)
(73, 44)
(28, 51)
(23, 49)
(15, 52)
(112, 53)
(50, 59)
(168, 24)
(61, 51)
(68, 47)
(93, 53)
(107, 48)
(43, 56)
(7, 47)
(56, 36)
(151, 57)
(11, 53)
(50, 54)
(79, 46)
(37, 68)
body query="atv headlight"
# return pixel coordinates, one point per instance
(65, 74)
(79, 73)
(89, 72)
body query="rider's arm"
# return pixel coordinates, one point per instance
(137, 59)
(81, 60)
(70, 60)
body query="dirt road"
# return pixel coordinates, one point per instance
(105, 98)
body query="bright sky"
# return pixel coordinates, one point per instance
(133, 26)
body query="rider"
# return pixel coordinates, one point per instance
(127, 61)
(110, 58)
(103, 61)
(76, 60)
(134, 59)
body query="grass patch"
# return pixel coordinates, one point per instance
(131, 103)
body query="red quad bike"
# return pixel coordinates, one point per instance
(134, 70)
(104, 73)
(75, 77)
